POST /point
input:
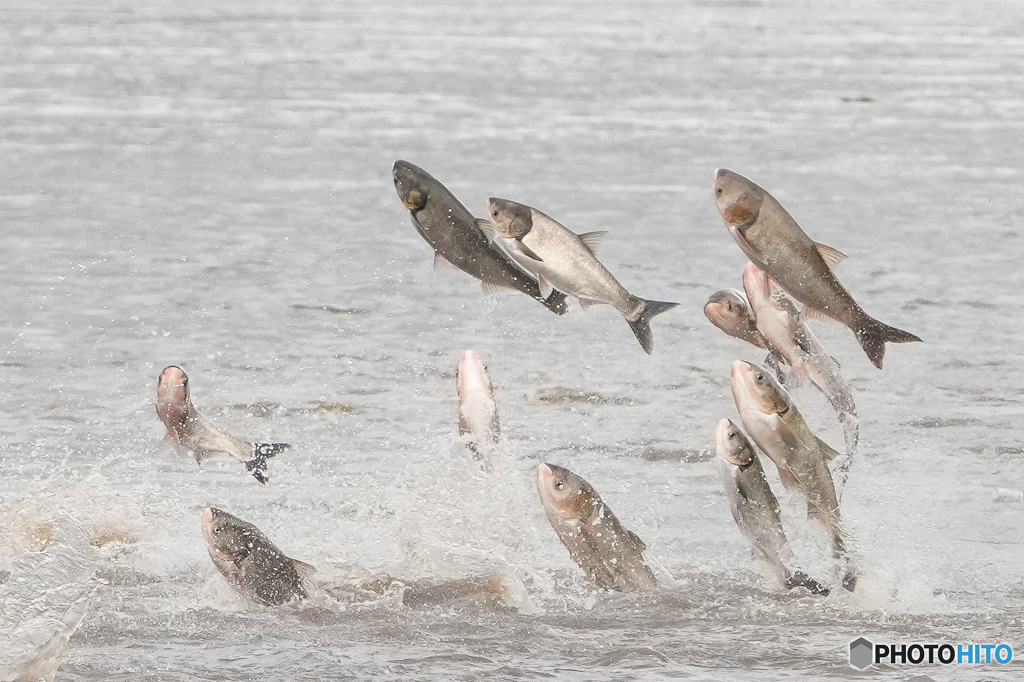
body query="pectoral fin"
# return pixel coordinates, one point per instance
(826, 449)
(522, 248)
(545, 287)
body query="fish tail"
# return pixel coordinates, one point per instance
(873, 335)
(641, 323)
(801, 579)
(556, 302)
(261, 453)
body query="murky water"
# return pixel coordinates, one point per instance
(209, 185)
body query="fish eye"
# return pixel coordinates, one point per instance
(728, 306)
(731, 434)
(760, 376)
(494, 213)
(559, 484)
(719, 190)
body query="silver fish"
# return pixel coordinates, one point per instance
(611, 556)
(775, 243)
(451, 231)
(754, 506)
(779, 323)
(478, 415)
(563, 261)
(194, 433)
(776, 425)
(251, 562)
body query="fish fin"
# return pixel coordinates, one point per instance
(556, 303)
(304, 570)
(873, 335)
(545, 287)
(440, 262)
(800, 579)
(826, 449)
(492, 287)
(831, 256)
(641, 326)
(261, 452)
(588, 302)
(789, 479)
(487, 227)
(809, 313)
(592, 240)
(636, 540)
(742, 490)
(526, 251)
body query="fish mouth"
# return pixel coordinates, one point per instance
(211, 542)
(472, 375)
(722, 445)
(743, 389)
(546, 475)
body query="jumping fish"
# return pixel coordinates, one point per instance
(779, 323)
(611, 556)
(451, 230)
(478, 416)
(775, 243)
(565, 261)
(251, 562)
(729, 311)
(192, 432)
(753, 504)
(776, 425)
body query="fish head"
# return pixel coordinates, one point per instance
(754, 387)
(564, 494)
(510, 219)
(229, 538)
(412, 184)
(757, 285)
(738, 199)
(727, 309)
(732, 444)
(172, 399)
(471, 374)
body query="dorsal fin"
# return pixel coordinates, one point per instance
(592, 240)
(304, 569)
(832, 256)
(636, 540)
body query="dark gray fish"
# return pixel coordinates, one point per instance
(194, 433)
(451, 230)
(611, 556)
(754, 506)
(251, 562)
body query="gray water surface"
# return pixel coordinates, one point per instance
(208, 184)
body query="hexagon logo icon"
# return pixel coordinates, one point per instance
(861, 653)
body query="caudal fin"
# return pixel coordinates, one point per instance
(262, 452)
(801, 579)
(641, 326)
(873, 335)
(556, 303)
